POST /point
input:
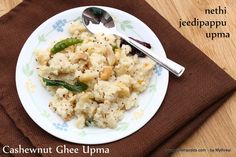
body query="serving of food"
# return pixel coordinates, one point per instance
(93, 78)
(90, 88)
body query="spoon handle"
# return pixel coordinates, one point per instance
(168, 64)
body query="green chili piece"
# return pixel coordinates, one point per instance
(78, 87)
(61, 45)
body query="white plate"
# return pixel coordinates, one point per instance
(35, 97)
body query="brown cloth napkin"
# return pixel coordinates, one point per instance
(188, 102)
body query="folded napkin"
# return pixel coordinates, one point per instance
(188, 102)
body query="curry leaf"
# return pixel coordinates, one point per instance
(78, 87)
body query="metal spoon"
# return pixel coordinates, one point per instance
(98, 20)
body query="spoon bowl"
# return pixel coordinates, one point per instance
(98, 20)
